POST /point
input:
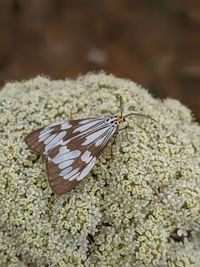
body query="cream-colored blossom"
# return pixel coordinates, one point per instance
(139, 209)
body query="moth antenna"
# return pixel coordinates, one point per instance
(121, 101)
(139, 114)
(121, 106)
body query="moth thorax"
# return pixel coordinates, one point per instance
(120, 119)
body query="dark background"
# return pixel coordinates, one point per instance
(153, 42)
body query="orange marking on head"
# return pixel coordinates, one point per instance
(120, 119)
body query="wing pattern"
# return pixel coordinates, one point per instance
(71, 149)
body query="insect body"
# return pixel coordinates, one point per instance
(72, 148)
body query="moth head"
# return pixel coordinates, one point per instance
(120, 119)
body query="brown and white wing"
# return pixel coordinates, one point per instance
(68, 164)
(71, 149)
(40, 139)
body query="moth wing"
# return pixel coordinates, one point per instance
(44, 139)
(39, 139)
(68, 164)
(71, 149)
(32, 141)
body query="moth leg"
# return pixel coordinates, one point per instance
(127, 136)
(113, 142)
(126, 130)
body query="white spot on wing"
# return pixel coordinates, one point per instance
(87, 169)
(70, 174)
(65, 126)
(53, 124)
(84, 121)
(44, 134)
(70, 155)
(85, 126)
(63, 150)
(100, 141)
(106, 137)
(65, 171)
(65, 164)
(74, 176)
(49, 139)
(55, 141)
(65, 143)
(86, 157)
(92, 137)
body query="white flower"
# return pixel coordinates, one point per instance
(140, 208)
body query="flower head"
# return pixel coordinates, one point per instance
(141, 208)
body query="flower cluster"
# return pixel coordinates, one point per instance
(140, 208)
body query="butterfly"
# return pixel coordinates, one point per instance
(72, 148)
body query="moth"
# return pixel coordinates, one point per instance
(72, 148)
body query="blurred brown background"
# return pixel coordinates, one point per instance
(153, 42)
